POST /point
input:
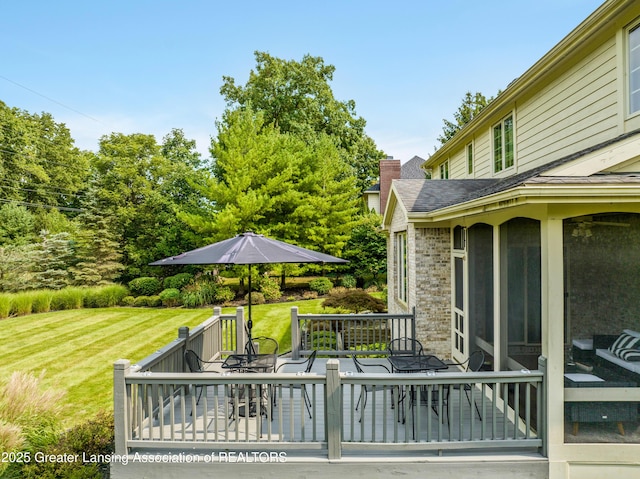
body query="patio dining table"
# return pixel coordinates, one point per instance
(253, 363)
(414, 364)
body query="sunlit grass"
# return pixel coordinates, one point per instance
(76, 349)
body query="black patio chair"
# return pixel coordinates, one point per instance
(473, 363)
(196, 365)
(308, 365)
(364, 390)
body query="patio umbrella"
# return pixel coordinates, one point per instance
(249, 248)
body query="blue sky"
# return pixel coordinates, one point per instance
(147, 66)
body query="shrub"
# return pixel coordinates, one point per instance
(309, 295)
(68, 298)
(170, 297)
(256, 298)
(154, 301)
(128, 301)
(224, 294)
(141, 301)
(106, 296)
(22, 303)
(356, 301)
(145, 286)
(178, 281)
(42, 300)
(320, 285)
(270, 288)
(91, 439)
(348, 281)
(5, 305)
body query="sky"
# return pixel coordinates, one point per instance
(148, 66)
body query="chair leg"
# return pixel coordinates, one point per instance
(307, 400)
(466, 392)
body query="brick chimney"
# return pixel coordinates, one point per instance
(389, 170)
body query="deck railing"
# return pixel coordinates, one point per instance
(215, 337)
(342, 334)
(403, 412)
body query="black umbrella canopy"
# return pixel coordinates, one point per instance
(249, 248)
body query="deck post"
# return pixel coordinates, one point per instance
(120, 410)
(241, 335)
(333, 415)
(295, 333)
(183, 333)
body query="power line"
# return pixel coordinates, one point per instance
(51, 99)
(26, 203)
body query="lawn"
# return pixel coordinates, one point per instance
(77, 348)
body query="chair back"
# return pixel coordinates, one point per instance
(475, 362)
(265, 345)
(312, 358)
(193, 361)
(357, 363)
(405, 346)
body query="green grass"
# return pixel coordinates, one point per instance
(77, 348)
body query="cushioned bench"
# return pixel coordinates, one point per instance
(623, 352)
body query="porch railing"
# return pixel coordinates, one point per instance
(403, 412)
(343, 334)
(215, 337)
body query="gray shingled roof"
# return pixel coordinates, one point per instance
(429, 195)
(412, 169)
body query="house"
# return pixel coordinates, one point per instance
(526, 242)
(375, 197)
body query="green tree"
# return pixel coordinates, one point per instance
(472, 104)
(17, 224)
(16, 265)
(275, 183)
(296, 98)
(54, 256)
(38, 162)
(139, 184)
(366, 250)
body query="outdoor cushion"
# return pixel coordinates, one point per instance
(624, 341)
(628, 354)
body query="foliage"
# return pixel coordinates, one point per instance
(145, 286)
(348, 281)
(224, 294)
(29, 415)
(178, 281)
(54, 256)
(472, 104)
(296, 98)
(16, 263)
(91, 439)
(68, 298)
(366, 250)
(270, 288)
(256, 298)
(38, 160)
(105, 296)
(5, 305)
(22, 304)
(320, 285)
(139, 185)
(128, 301)
(274, 183)
(170, 297)
(16, 224)
(356, 301)
(41, 301)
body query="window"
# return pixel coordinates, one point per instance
(503, 145)
(401, 265)
(470, 159)
(634, 69)
(444, 170)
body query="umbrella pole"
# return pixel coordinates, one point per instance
(250, 322)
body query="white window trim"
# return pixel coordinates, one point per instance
(471, 173)
(402, 289)
(627, 68)
(504, 169)
(444, 167)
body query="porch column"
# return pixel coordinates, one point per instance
(552, 297)
(241, 335)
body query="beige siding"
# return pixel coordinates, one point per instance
(572, 113)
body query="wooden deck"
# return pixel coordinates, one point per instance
(386, 420)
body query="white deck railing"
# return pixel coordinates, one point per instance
(403, 412)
